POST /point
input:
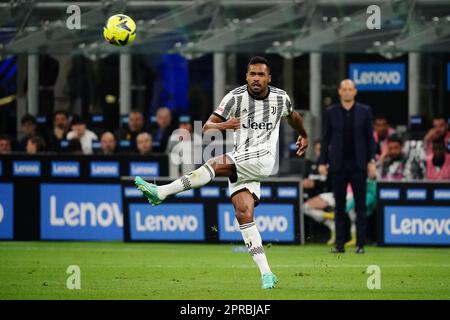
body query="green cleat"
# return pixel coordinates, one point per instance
(269, 280)
(149, 190)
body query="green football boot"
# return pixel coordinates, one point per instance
(269, 280)
(149, 190)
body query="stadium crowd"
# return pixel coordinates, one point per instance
(399, 156)
(71, 134)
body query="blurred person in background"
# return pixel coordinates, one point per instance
(5, 144)
(59, 131)
(381, 132)
(74, 147)
(29, 128)
(348, 149)
(136, 125)
(314, 183)
(35, 144)
(439, 133)
(82, 133)
(108, 143)
(144, 144)
(163, 130)
(321, 209)
(438, 163)
(393, 163)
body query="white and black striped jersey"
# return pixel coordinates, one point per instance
(260, 118)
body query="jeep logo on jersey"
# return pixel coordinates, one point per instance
(257, 125)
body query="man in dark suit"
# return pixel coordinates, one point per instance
(348, 148)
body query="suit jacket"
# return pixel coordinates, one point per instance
(332, 151)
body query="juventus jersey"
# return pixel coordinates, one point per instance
(260, 118)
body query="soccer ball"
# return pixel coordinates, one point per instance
(120, 30)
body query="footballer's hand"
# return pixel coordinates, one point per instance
(302, 144)
(371, 170)
(323, 170)
(233, 123)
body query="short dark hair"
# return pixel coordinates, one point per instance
(440, 117)
(60, 112)
(394, 138)
(28, 118)
(381, 117)
(5, 137)
(76, 119)
(259, 60)
(74, 145)
(39, 141)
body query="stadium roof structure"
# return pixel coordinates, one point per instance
(197, 27)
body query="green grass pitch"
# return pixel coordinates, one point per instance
(37, 270)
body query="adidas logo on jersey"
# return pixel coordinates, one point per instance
(258, 125)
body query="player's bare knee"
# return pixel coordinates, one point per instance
(244, 214)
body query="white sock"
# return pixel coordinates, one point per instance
(316, 214)
(195, 179)
(253, 241)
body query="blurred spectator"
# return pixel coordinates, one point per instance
(314, 183)
(59, 131)
(74, 147)
(29, 128)
(35, 144)
(321, 209)
(80, 132)
(136, 125)
(439, 133)
(392, 165)
(414, 152)
(381, 132)
(438, 163)
(144, 143)
(108, 143)
(5, 144)
(165, 128)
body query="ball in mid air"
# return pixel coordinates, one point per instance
(120, 30)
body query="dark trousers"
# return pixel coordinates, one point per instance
(339, 181)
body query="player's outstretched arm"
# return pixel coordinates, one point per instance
(218, 123)
(295, 120)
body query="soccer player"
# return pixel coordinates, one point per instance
(254, 111)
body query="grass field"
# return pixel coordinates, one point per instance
(37, 270)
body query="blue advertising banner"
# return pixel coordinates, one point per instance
(416, 194)
(65, 169)
(104, 169)
(27, 168)
(167, 222)
(144, 169)
(417, 225)
(81, 212)
(389, 194)
(378, 76)
(275, 222)
(6, 211)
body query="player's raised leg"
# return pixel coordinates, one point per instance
(244, 205)
(220, 166)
